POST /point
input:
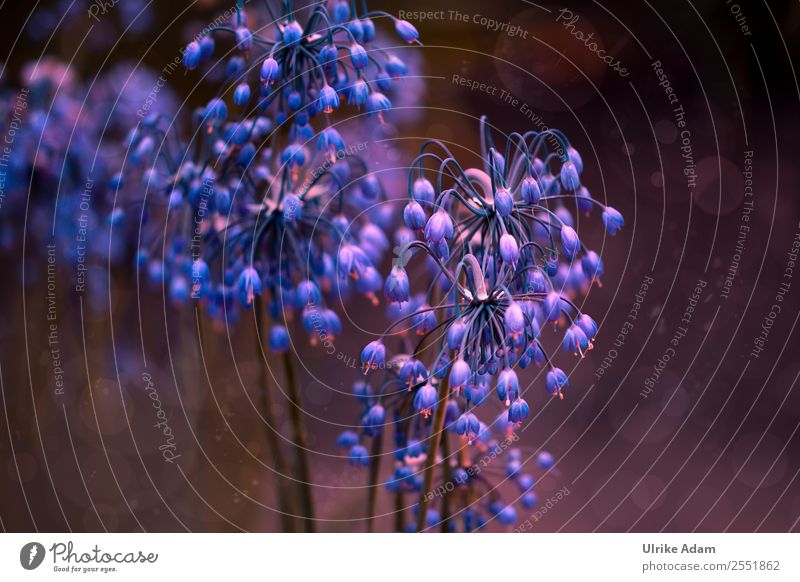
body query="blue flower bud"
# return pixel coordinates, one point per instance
(377, 103)
(269, 71)
(575, 158)
(358, 93)
(509, 250)
(569, 176)
(358, 456)
(569, 242)
(373, 355)
(583, 199)
(340, 11)
(278, 339)
(587, 324)
(414, 216)
(460, 373)
(328, 99)
(191, 55)
(292, 33)
(206, 47)
(514, 320)
(518, 411)
(438, 227)
(529, 500)
(406, 31)
(507, 386)
(395, 66)
(575, 340)
(423, 191)
(242, 94)
(555, 381)
(249, 286)
(503, 202)
(545, 460)
(244, 39)
(396, 288)
(356, 29)
(426, 399)
(347, 439)
(358, 56)
(455, 334)
(531, 193)
(369, 29)
(374, 417)
(612, 220)
(468, 426)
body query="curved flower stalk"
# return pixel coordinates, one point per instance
(264, 204)
(506, 261)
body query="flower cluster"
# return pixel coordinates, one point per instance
(505, 260)
(268, 200)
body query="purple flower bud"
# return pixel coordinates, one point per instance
(396, 288)
(455, 334)
(468, 426)
(460, 373)
(503, 202)
(358, 456)
(377, 103)
(569, 242)
(278, 339)
(514, 320)
(269, 71)
(426, 399)
(358, 56)
(414, 216)
(373, 355)
(509, 250)
(531, 193)
(518, 411)
(244, 39)
(347, 439)
(575, 158)
(423, 191)
(507, 386)
(575, 340)
(292, 33)
(406, 30)
(191, 56)
(242, 94)
(569, 176)
(439, 227)
(612, 220)
(556, 380)
(587, 324)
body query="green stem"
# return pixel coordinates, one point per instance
(433, 446)
(300, 446)
(285, 505)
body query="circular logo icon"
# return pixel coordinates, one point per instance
(31, 555)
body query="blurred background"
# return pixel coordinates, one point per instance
(683, 417)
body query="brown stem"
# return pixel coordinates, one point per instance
(447, 475)
(285, 505)
(399, 513)
(433, 446)
(300, 446)
(374, 472)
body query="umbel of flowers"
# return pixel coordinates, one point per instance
(263, 204)
(504, 260)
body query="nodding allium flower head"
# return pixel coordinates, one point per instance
(275, 198)
(503, 261)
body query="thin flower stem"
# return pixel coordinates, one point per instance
(433, 446)
(300, 446)
(285, 505)
(447, 476)
(374, 473)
